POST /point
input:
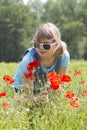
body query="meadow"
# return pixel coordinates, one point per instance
(58, 114)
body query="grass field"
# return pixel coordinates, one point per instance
(57, 114)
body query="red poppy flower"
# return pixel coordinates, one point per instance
(2, 94)
(74, 104)
(84, 93)
(55, 80)
(8, 79)
(54, 84)
(66, 78)
(5, 104)
(82, 82)
(51, 74)
(69, 95)
(32, 65)
(35, 63)
(29, 75)
(77, 73)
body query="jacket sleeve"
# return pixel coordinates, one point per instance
(22, 67)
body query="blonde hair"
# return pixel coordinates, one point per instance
(60, 49)
(49, 31)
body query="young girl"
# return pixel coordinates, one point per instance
(49, 50)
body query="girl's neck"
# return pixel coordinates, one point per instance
(47, 62)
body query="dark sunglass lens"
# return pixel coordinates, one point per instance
(46, 46)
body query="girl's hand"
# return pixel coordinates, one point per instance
(43, 96)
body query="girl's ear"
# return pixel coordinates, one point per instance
(60, 49)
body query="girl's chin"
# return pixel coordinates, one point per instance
(43, 55)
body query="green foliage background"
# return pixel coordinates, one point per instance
(18, 23)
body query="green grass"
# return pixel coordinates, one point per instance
(57, 114)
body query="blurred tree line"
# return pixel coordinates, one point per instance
(19, 21)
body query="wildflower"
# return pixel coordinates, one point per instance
(51, 74)
(29, 75)
(5, 104)
(66, 78)
(82, 82)
(69, 95)
(30, 67)
(74, 103)
(77, 73)
(8, 79)
(2, 94)
(54, 84)
(84, 93)
(55, 80)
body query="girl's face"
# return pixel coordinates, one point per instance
(45, 48)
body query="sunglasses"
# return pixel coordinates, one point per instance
(44, 45)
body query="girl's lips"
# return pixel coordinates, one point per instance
(42, 52)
